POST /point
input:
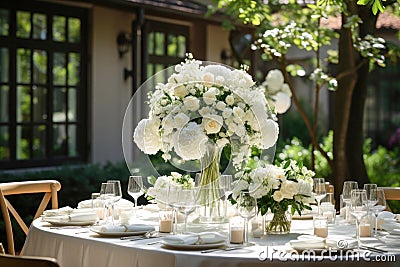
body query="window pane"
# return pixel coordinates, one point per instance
(181, 46)
(59, 69)
(60, 139)
(23, 65)
(39, 66)
(74, 30)
(4, 94)
(59, 100)
(73, 68)
(39, 26)
(72, 141)
(39, 141)
(160, 43)
(172, 45)
(150, 46)
(23, 104)
(4, 143)
(23, 24)
(39, 104)
(4, 63)
(59, 28)
(23, 142)
(72, 104)
(4, 22)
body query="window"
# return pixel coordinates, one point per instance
(167, 45)
(42, 84)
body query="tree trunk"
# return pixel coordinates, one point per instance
(355, 136)
(342, 104)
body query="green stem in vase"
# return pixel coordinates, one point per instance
(280, 223)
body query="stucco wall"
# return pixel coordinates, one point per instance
(109, 92)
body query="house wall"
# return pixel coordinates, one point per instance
(110, 94)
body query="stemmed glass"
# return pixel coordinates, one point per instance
(186, 203)
(348, 186)
(107, 194)
(319, 191)
(379, 207)
(135, 187)
(358, 208)
(372, 196)
(117, 196)
(247, 208)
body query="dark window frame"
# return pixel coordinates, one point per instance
(12, 43)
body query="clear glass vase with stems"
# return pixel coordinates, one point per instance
(280, 223)
(247, 209)
(358, 208)
(211, 198)
(319, 189)
(379, 207)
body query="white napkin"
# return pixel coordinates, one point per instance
(57, 212)
(390, 239)
(71, 215)
(341, 242)
(123, 228)
(192, 239)
(88, 203)
(308, 242)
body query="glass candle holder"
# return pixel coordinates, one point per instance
(236, 230)
(320, 226)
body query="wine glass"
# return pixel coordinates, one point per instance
(247, 208)
(348, 186)
(186, 203)
(319, 191)
(379, 207)
(135, 187)
(358, 208)
(372, 196)
(107, 194)
(117, 196)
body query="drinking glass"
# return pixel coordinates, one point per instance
(319, 191)
(135, 187)
(348, 186)
(186, 203)
(247, 208)
(379, 207)
(372, 196)
(117, 196)
(107, 194)
(358, 208)
(225, 182)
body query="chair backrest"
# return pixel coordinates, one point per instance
(7, 260)
(391, 193)
(48, 187)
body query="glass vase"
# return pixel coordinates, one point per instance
(211, 195)
(280, 223)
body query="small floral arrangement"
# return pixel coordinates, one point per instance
(277, 187)
(165, 184)
(206, 102)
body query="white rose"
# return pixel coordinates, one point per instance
(227, 113)
(305, 188)
(230, 100)
(286, 89)
(180, 91)
(220, 106)
(208, 77)
(277, 196)
(274, 80)
(219, 80)
(222, 142)
(269, 131)
(281, 102)
(212, 123)
(240, 130)
(167, 125)
(239, 113)
(180, 120)
(204, 111)
(191, 103)
(189, 142)
(209, 96)
(289, 188)
(147, 137)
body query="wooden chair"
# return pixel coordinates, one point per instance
(7, 260)
(391, 193)
(48, 187)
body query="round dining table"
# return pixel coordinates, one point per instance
(79, 246)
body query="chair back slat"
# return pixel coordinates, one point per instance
(17, 261)
(48, 187)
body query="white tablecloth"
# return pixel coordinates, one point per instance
(75, 247)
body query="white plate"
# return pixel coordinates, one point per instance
(193, 247)
(118, 234)
(59, 223)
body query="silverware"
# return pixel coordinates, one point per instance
(221, 249)
(378, 250)
(147, 235)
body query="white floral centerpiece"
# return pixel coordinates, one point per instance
(201, 109)
(278, 188)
